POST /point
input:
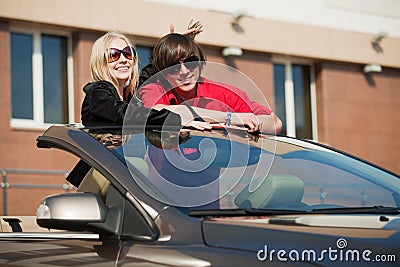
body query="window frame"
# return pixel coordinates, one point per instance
(288, 62)
(37, 123)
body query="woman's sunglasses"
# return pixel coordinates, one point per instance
(191, 63)
(114, 53)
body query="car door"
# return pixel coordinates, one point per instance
(59, 235)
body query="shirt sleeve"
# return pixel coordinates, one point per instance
(103, 103)
(102, 106)
(142, 115)
(259, 109)
(242, 102)
(146, 73)
(153, 94)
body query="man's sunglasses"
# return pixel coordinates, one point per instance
(191, 63)
(114, 53)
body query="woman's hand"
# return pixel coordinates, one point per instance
(186, 32)
(186, 116)
(193, 29)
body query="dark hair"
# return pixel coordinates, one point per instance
(174, 47)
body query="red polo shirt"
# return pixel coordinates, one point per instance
(210, 95)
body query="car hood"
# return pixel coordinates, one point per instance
(375, 232)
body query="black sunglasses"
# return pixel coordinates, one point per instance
(191, 63)
(114, 54)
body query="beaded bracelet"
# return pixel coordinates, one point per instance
(228, 119)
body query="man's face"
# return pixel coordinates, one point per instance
(184, 73)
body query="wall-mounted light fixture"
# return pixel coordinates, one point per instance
(232, 51)
(376, 41)
(235, 21)
(372, 68)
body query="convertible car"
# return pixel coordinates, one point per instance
(223, 197)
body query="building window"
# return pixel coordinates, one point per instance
(55, 79)
(22, 76)
(144, 54)
(40, 80)
(294, 99)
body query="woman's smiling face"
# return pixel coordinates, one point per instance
(121, 69)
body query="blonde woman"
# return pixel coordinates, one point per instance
(114, 71)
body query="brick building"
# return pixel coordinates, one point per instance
(338, 84)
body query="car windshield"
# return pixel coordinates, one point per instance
(219, 171)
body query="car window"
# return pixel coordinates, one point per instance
(289, 174)
(328, 184)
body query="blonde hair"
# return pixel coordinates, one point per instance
(100, 70)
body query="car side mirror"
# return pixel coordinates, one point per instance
(74, 212)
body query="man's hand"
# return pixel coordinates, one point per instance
(249, 120)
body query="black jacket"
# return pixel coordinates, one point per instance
(102, 106)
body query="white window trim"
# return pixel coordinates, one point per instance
(37, 123)
(289, 95)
